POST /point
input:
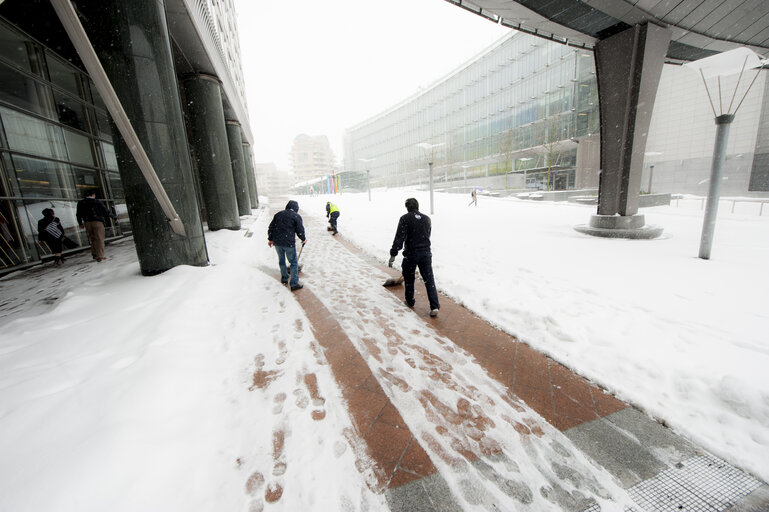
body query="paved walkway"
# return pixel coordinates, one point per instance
(486, 422)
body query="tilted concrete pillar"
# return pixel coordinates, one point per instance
(210, 149)
(252, 189)
(235, 141)
(133, 45)
(628, 69)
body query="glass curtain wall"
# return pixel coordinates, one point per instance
(519, 106)
(55, 146)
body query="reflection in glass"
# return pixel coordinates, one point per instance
(79, 147)
(30, 135)
(25, 93)
(86, 182)
(71, 112)
(29, 212)
(13, 250)
(104, 130)
(110, 160)
(115, 185)
(63, 74)
(16, 48)
(42, 178)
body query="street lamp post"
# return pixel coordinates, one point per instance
(722, 64)
(464, 167)
(651, 175)
(651, 169)
(430, 147)
(524, 159)
(368, 175)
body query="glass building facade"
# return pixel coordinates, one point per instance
(55, 146)
(518, 109)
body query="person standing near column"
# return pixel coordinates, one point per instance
(92, 214)
(413, 234)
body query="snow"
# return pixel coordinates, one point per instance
(684, 339)
(188, 390)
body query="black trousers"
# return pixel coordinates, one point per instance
(423, 260)
(332, 220)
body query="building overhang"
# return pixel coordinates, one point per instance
(196, 50)
(700, 28)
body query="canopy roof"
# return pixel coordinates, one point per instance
(701, 28)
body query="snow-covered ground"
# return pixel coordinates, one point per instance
(191, 390)
(686, 340)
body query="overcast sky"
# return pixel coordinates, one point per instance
(320, 67)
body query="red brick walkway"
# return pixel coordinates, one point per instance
(561, 397)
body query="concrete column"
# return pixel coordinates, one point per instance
(628, 68)
(237, 162)
(210, 149)
(250, 175)
(132, 42)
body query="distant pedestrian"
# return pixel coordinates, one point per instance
(51, 232)
(332, 213)
(413, 234)
(286, 225)
(93, 215)
(474, 195)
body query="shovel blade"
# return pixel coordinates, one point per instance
(393, 281)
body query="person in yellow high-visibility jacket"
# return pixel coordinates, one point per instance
(332, 213)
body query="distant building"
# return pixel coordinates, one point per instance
(271, 181)
(679, 149)
(311, 157)
(515, 112)
(523, 114)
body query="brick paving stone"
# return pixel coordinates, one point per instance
(562, 398)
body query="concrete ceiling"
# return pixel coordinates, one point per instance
(700, 27)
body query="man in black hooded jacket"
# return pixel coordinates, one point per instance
(413, 234)
(282, 232)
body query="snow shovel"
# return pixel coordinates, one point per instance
(298, 265)
(393, 281)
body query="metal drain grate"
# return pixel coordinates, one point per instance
(699, 484)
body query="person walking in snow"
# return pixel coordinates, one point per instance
(413, 234)
(93, 215)
(332, 213)
(474, 195)
(51, 232)
(286, 225)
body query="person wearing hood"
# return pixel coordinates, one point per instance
(51, 232)
(332, 213)
(413, 234)
(281, 234)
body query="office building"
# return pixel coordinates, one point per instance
(523, 116)
(311, 157)
(170, 64)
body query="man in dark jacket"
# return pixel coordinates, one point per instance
(413, 234)
(92, 214)
(281, 233)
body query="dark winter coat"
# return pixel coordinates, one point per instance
(413, 234)
(91, 209)
(285, 226)
(45, 236)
